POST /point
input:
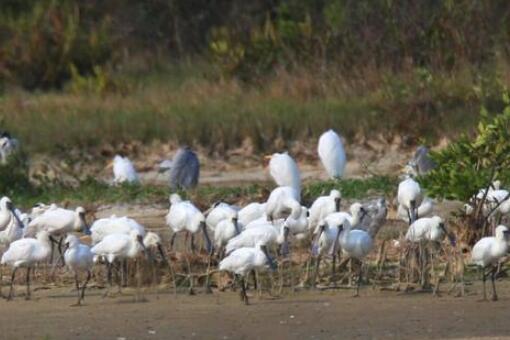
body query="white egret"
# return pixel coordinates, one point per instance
(428, 229)
(264, 233)
(183, 216)
(332, 154)
(244, 260)
(225, 230)
(114, 225)
(26, 252)
(487, 253)
(7, 212)
(78, 258)
(285, 172)
(123, 170)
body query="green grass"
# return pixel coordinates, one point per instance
(93, 193)
(191, 104)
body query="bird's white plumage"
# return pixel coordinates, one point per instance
(489, 250)
(425, 209)
(332, 154)
(28, 251)
(183, 215)
(263, 233)
(225, 230)
(285, 171)
(283, 202)
(426, 229)
(251, 212)
(409, 193)
(119, 246)
(78, 257)
(322, 207)
(114, 225)
(124, 170)
(218, 213)
(58, 221)
(13, 232)
(243, 260)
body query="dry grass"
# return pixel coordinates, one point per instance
(190, 104)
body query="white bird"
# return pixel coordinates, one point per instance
(332, 154)
(323, 206)
(13, 232)
(41, 208)
(152, 241)
(251, 212)
(428, 229)
(263, 233)
(283, 202)
(78, 258)
(424, 210)
(409, 196)
(487, 253)
(7, 212)
(123, 170)
(285, 171)
(114, 225)
(26, 252)
(219, 212)
(8, 146)
(58, 222)
(118, 247)
(244, 260)
(298, 226)
(184, 216)
(225, 230)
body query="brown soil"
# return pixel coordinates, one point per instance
(305, 315)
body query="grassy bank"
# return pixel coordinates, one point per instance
(92, 194)
(190, 103)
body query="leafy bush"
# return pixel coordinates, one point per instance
(14, 175)
(470, 164)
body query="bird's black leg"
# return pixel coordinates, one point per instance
(172, 241)
(192, 243)
(60, 251)
(27, 297)
(244, 297)
(493, 279)
(89, 275)
(316, 272)
(484, 277)
(77, 288)
(11, 291)
(254, 277)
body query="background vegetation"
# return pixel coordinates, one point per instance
(82, 73)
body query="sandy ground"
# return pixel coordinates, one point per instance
(305, 315)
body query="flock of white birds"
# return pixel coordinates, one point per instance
(244, 239)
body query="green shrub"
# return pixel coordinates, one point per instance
(14, 175)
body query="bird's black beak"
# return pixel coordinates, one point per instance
(86, 230)
(270, 261)
(338, 202)
(162, 252)
(139, 238)
(66, 246)
(315, 243)
(450, 236)
(11, 207)
(236, 225)
(340, 229)
(206, 237)
(412, 212)
(363, 214)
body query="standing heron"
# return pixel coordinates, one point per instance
(184, 169)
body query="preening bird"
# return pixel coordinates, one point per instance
(114, 225)
(243, 260)
(285, 172)
(428, 229)
(262, 233)
(219, 212)
(283, 202)
(323, 206)
(409, 196)
(251, 212)
(123, 170)
(184, 170)
(332, 154)
(78, 258)
(26, 252)
(184, 216)
(487, 253)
